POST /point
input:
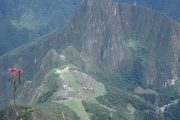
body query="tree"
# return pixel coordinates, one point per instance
(138, 71)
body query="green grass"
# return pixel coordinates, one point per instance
(53, 111)
(72, 82)
(76, 106)
(96, 111)
(132, 44)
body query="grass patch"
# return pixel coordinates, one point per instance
(71, 79)
(53, 111)
(77, 106)
(72, 82)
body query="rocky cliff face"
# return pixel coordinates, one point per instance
(118, 35)
(103, 40)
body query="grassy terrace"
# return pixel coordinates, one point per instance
(77, 107)
(53, 111)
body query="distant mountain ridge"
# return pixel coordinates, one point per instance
(24, 20)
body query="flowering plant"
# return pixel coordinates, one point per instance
(15, 76)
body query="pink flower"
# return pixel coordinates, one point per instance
(15, 71)
(19, 71)
(12, 70)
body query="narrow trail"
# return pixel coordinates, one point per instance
(168, 105)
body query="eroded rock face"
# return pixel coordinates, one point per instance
(117, 35)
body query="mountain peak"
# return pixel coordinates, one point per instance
(97, 2)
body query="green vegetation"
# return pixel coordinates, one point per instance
(119, 100)
(48, 87)
(26, 114)
(10, 112)
(45, 97)
(97, 112)
(74, 57)
(173, 112)
(137, 74)
(167, 7)
(71, 81)
(78, 108)
(102, 52)
(31, 21)
(53, 111)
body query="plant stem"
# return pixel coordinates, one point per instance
(63, 116)
(14, 92)
(14, 84)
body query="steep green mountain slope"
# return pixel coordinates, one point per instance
(26, 20)
(169, 7)
(112, 61)
(23, 20)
